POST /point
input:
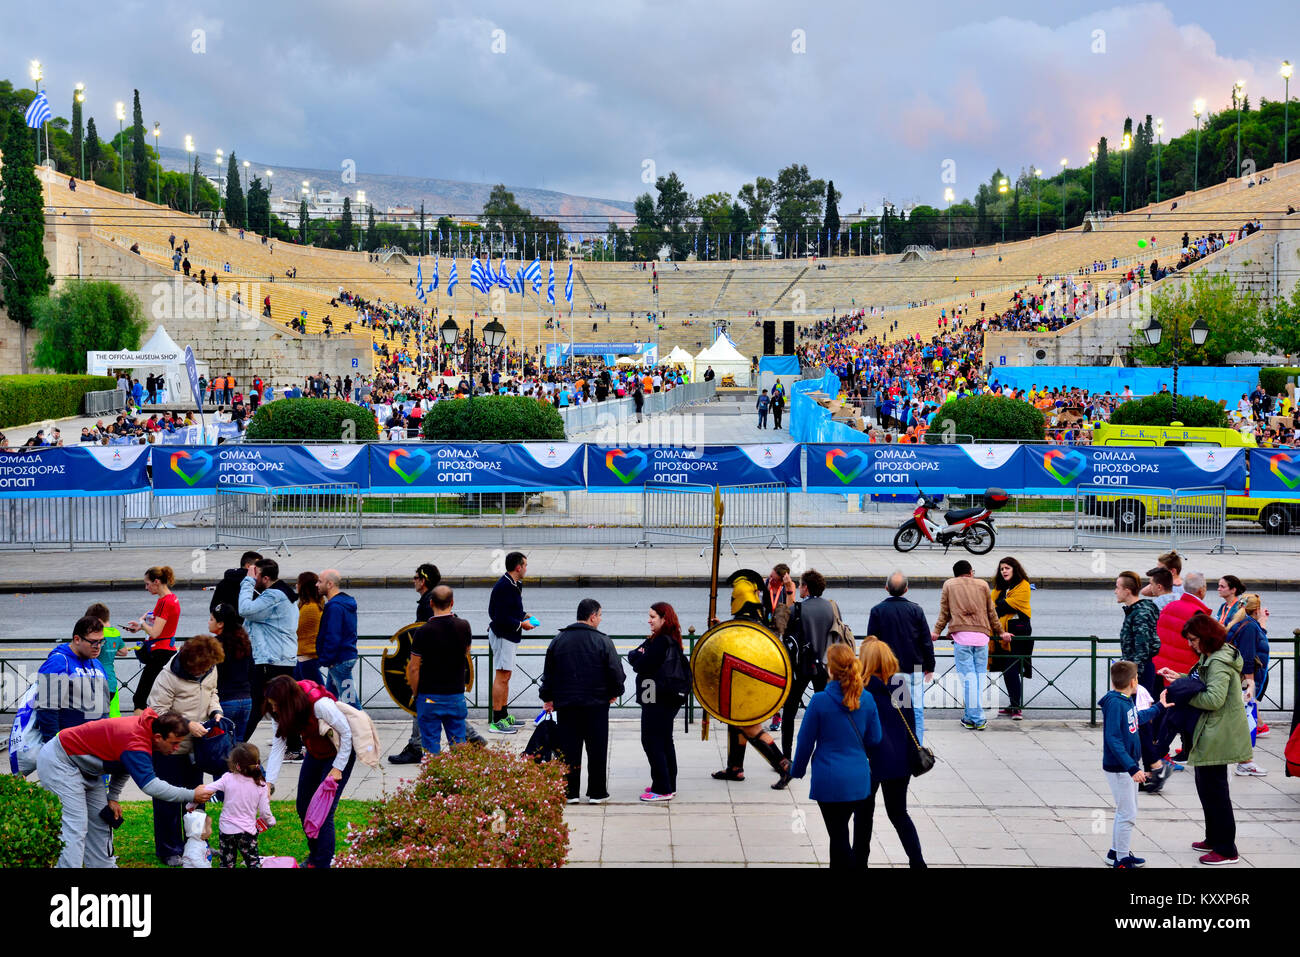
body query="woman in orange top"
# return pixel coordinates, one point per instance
(310, 606)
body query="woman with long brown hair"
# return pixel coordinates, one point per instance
(662, 682)
(298, 708)
(891, 759)
(235, 672)
(838, 728)
(311, 603)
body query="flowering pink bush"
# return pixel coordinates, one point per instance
(468, 807)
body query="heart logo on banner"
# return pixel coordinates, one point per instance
(637, 459)
(850, 458)
(1065, 466)
(1275, 466)
(419, 455)
(200, 463)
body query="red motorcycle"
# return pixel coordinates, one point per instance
(972, 528)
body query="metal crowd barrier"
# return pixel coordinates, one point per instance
(1150, 517)
(684, 512)
(37, 522)
(295, 513)
(105, 401)
(613, 412)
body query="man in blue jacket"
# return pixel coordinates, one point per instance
(270, 611)
(900, 623)
(508, 622)
(336, 642)
(71, 685)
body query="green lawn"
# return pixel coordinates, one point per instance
(133, 841)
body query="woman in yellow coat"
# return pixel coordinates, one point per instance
(1012, 651)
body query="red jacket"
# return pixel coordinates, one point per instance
(1174, 651)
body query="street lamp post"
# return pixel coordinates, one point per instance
(1092, 152)
(1238, 97)
(1125, 146)
(246, 165)
(189, 150)
(37, 74)
(157, 170)
(493, 332)
(948, 197)
(1153, 330)
(1286, 108)
(1160, 129)
(121, 140)
(1002, 189)
(81, 98)
(1197, 109)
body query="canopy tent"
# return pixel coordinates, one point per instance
(160, 353)
(678, 357)
(725, 360)
(774, 369)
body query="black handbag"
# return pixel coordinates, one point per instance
(921, 758)
(212, 752)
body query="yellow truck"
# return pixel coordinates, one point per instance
(1275, 516)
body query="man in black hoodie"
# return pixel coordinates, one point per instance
(227, 590)
(582, 677)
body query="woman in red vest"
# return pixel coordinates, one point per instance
(298, 707)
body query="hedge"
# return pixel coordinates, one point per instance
(493, 419)
(1194, 411)
(34, 398)
(30, 824)
(986, 417)
(1273, 379)
(299, 420)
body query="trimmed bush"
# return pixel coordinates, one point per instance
(494, 418)
(299, 420)
(33, 398)
(989, 417)
(1273, 379)
(1194, 411)
(84, 316)
(468, 807)
(30, 823)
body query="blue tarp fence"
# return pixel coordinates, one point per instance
(1228, 383)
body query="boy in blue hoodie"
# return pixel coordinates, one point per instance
(1121, 757)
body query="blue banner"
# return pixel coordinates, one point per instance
(1049, 469)
(74, 471)
(611, 469)
(192, 470)
(898, 468)
(1275, 473)
(475, 467)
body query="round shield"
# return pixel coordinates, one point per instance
(741, 673)
(393, 667)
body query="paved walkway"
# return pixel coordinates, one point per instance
(1027, 794)
(580, 565)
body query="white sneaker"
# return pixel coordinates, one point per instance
(1252, 769)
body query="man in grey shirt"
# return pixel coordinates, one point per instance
(810, 624)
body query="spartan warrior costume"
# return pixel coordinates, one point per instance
(750, 651)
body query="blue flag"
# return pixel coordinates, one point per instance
(534, 274)
(478, 276)
(503, 275)
(451, 280)
(434, 284)
(39, 112)
(419, 283)
(550, 286)
(568, 284)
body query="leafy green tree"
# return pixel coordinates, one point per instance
(259, 208)
(987, 417)
(1233, 317)
(77, 133)
(93, 148)
(345, 224)
(236, 207)
(84, 316)
(757, 197)
(372, 234)
(1282, 325)
(646, 237)
(24, 271)
(831, 220)
(797, 201)
(139, 153)
(1194, 411)
(672, 209)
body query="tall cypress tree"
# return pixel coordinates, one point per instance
(92, 147)
(302, 222)
(259, 208)
(345, 224)
(831, 221)
(236, 209)
(77, 134)
(372, 234)
(139, 155)
(25, 272)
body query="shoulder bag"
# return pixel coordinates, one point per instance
(920, 759)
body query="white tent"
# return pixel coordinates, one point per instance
(725, 360)
(160, 353)
(678, 357)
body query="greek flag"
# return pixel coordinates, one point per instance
(503, 275)
(534, 274)
(451, 279)
(38, 112)
(550, 286)
(517, 284)
(419, 283)
(568, 285)
(434, 284)
(478, 276)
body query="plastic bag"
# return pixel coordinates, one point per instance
(322, 802)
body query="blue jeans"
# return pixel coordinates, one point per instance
(438, 711)
(308, 670)
(320, 849)
(339, 682)
(917, 680)
(238, 710)
(972, 662)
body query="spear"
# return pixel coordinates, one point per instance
(713, 583)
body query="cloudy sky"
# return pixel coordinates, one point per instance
(592, 98)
